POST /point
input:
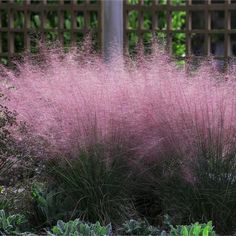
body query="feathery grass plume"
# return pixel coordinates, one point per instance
(183, 123)
(192, 134)
(63, 102)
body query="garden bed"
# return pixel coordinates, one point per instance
(142, 148)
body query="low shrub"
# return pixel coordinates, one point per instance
(16, 161)
(7, 122)
(78, 227)
(140, 227)
(12, 225)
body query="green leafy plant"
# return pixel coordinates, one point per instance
(50, 204)
(5, 202)
(193, 230)
(10, 224)
(140, 227)
(79, 228)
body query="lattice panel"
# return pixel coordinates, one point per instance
(24, 22)
(208, 26)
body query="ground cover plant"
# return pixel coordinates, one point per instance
(10, 224)
(193, 230)
(128, 139)
(78, 227)
(14, 224)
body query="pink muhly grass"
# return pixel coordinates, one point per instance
(156, 109)
(69, 100)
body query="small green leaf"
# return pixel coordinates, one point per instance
(184, 231)
(205, 231)
(197, 230)
(67, 24)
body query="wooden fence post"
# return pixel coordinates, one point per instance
(112, 28)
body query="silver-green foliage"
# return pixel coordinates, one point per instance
(79, 228)
(9, 225)
(140, 227)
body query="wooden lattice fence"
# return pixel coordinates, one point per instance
(24, 23)
(208, 26)
(189, 27)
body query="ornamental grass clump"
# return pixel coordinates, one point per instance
(64, 101)
(97, 183)
(175, 125)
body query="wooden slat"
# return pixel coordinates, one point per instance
(42, 7)
(194, 31)
(140, 23)
(188, 28)
(49, 7)
(125, 23)
(227, 26)
(73, 22)
(193, 7)
(1, 39)
(60, 13)
(207, 16)
(169, 26)
(26, 26)
(10, 35)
